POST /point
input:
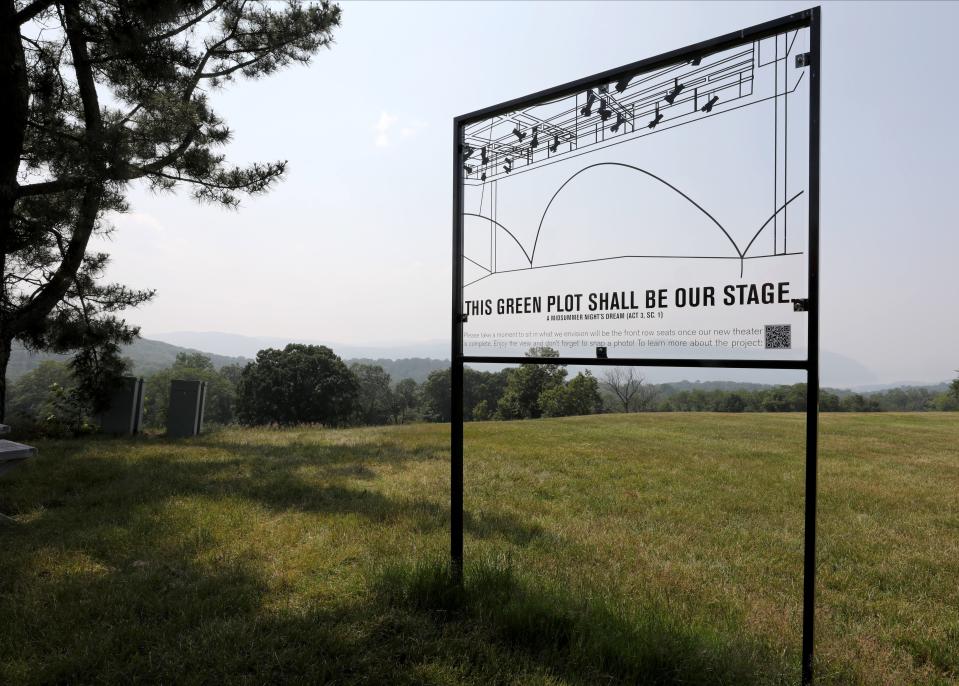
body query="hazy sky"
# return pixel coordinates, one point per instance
(354, 245)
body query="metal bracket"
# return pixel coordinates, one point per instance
(803, 59)
(800, 304)
(601, 352)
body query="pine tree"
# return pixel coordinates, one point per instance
(97, 94)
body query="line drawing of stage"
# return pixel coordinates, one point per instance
(500, 149)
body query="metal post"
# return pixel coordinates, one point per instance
(456, 366)
(812, 375)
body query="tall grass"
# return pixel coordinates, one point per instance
(585, 636)
(601, 550)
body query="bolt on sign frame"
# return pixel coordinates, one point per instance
(636, 228)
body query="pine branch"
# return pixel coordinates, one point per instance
(31, 11)
(33, 313)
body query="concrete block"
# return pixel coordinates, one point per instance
(185, 415)
(125, 413)
(13, 455)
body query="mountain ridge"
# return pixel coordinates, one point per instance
(149, 356)
(416, 360)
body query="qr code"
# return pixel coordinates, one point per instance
(779, 336)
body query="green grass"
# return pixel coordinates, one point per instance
(616, 549)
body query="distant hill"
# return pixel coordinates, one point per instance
(401, 360)
(415, 360)
(247, 346)
(416, 368)
(147, 356)
(679, 386)
(837, 370)
(904, 385)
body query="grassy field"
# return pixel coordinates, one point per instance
(618, 549)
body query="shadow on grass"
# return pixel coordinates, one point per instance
(74, 494)
(70, 494)
(100, 582)
(582, 640)
(171, 620)
(100, 585)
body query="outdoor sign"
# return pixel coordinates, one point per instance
(664, 213)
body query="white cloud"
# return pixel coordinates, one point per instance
(383, 127)
(390, 123)
(141, 220)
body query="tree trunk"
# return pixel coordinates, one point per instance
(5, 346)
(14, 96)
(32, 315)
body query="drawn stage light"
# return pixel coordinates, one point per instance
(677, 89)
(658, 118)
(587, 109)
(604, 111)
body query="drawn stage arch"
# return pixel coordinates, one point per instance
(661, 180)
(737, 253)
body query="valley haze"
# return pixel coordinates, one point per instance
(838, 371)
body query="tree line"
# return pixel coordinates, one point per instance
(310, 384)
(793, 399)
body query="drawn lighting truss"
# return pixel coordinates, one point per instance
(628, 109)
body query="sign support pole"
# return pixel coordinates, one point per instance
(812, 371)
(456, 368)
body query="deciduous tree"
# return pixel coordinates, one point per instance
(526, 383)
(436, 396)
(577, 397)
(406, 396)
(626, 384)
(299, 384)
(374, 404)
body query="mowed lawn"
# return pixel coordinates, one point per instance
(644, 548)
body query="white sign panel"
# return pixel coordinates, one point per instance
(661, 215)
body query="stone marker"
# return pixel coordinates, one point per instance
(14, 454)
(125, 412)
(185, 415)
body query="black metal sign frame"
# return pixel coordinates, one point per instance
(807, 19)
